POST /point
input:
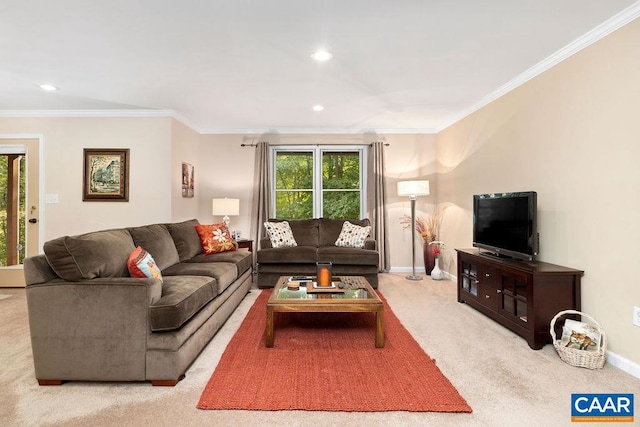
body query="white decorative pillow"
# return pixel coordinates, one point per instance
(141, 264)
(580, 335)
(353, 236)
(280, 234)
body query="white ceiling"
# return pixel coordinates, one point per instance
(245, 66)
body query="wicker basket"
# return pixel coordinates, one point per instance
(574, 356)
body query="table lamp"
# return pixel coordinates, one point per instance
(225, 207)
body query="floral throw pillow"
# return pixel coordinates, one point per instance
(280, 234)
(215, 238)
(141, 264)
(353, 236)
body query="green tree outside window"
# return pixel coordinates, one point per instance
(3, 210)
(298, 190)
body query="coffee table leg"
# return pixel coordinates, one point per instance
(269, 328)
(380, 328)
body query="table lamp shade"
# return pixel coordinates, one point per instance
(413, 188)
(225, 206)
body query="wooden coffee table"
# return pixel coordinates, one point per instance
(357, 296)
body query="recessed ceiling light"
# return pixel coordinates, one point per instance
(322, 55)
(318, 108)
(48, 87)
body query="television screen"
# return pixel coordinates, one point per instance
(505, 224)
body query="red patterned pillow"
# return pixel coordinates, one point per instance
(215, 238)
(141, 264)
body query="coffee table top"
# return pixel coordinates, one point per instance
(356, 289)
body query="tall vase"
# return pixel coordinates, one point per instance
(437, 273)
(429, 257)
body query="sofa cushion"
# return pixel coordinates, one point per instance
(141, 264)
(305, 231)
(158, 242)
(352, 236)
(347, 256)
(242, 259)
(224, 272)
(215, 238)
(294, 255)
(280, 234)
(91, 255)
(182, 297)
(186, 238)
(330, 229)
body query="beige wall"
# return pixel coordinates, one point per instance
(408, 157)
(225, 170)
(184, 148)
(571, 134)
(149, 140)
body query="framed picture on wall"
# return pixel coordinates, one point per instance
(105, 175)
(187, 180)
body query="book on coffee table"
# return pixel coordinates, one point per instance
(301, 279)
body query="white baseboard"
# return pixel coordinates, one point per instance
(628, 366)
(420, 270)
(405, 270)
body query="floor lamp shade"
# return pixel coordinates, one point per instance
(413, 189)
(225, 207)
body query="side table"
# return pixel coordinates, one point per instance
(245, 244)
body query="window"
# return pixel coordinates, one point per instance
(313, 182)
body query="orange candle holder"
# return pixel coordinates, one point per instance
(324, 273)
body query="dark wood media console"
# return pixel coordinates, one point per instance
(520, 295)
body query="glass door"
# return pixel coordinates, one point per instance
(514, 298)
(19, 201)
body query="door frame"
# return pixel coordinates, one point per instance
(16, 273)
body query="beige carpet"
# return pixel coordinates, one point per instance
(504, 381)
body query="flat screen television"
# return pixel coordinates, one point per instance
(505, 225)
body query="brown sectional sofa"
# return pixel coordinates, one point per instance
(91, 321)
(315, 240)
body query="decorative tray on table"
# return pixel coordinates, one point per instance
(313, 287)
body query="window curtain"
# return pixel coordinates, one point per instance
(261, 191)
(376, 201)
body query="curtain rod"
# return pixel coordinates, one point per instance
(255, 145)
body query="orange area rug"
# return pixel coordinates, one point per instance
(327, 362)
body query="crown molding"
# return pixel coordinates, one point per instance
(86, 113)
(192, 125)
(617, 21)
(185, 121)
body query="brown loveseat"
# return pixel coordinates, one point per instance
(91, 321)
(315, 239)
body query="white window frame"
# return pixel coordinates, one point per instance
(317, 189)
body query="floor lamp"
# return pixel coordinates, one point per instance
(413, 189)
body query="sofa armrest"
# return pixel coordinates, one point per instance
(265, 243)
(93, 330)
(370, 243)
(152, 288)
